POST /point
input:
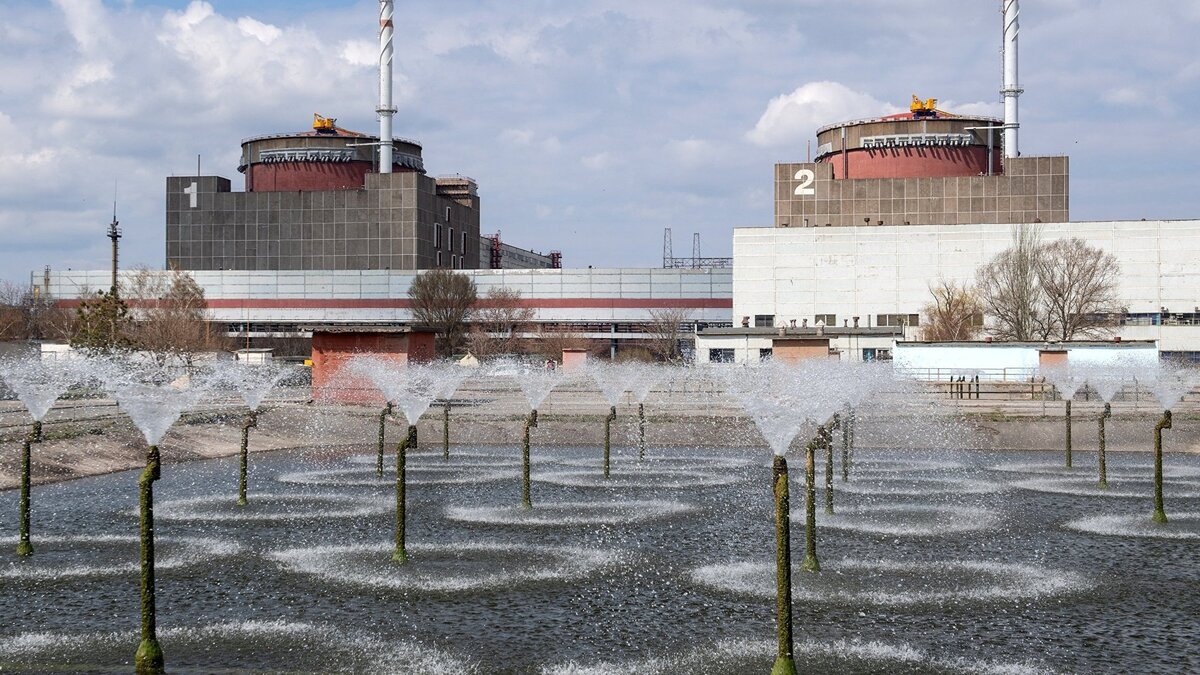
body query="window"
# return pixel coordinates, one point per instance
(439, 258)
(437, 235)
(765, 354)
(828, 319)
(764, 320)
(447, 214)
(463, 247)
(898, 320)
(450, 240)
(720, 355)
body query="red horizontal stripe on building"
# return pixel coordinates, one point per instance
(405, 303)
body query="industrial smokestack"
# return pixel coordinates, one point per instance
(385, 108)
(1011, 89)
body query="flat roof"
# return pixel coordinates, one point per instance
(831, 331)
(1040, 345)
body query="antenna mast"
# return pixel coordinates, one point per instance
(114, 233)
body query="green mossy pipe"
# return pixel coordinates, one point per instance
(1160, 515)
(24, 546)
(1100, 456)
(845, 424)
(827, 441)
(446, 430)
(1067, 438)
(785, 662)
(387, 410)
(149, 656)
(810, 505)
(612, 415)
(641, 431)
(401, 555)
(530, 422)
(250, 422)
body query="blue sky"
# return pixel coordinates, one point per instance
(590, 126)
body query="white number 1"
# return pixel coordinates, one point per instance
(193, 189)
(806, 178)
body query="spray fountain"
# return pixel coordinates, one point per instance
(154, 399)
(646, 377)
(252, 383)
(412, 388)
(536, 384)
(1169, 386)
(613, 380)
(1067, 382)
(1107, 381)
(38, 384)
(452, 377)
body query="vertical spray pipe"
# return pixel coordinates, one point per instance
(785, 663)
(24, 546)
(385, 109)
(400, 555)
(250, 422)
(387, 410)
(612, 415)
(446, 430)
(1160, 515)
(846, 445)
(530, 422)
(1067, 438)
(149, 656)
(641, 431)
(1100, 457)
(827, 441)
(810, 504)
(1012, 89)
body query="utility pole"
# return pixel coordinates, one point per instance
(114, 233)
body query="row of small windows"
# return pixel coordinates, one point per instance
(831, 320)
(456, 261)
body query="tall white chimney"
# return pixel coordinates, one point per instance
(385, 108)
(1012, 88)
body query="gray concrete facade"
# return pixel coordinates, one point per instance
(400, 221)
(1032, 189)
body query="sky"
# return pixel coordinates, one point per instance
(589, 125)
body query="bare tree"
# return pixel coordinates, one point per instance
(1064, 289)
(1080, 283)
(498, 319)
(27, 315)
(551, 342)
(954, 313)
(1011, 294)
(443, 300)
(171, 317)
(663, 332)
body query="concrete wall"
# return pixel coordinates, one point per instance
(1032, 188)
(867, 271)
(936, 361)
(389, 224)
(566, 295)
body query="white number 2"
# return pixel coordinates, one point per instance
(806, 178)
(192, 189)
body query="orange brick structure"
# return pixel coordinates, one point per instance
(333, 346)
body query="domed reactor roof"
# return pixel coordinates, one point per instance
(923, 143)
(326, 158)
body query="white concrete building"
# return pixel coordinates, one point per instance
(1014, 361)
(608, 304)
(882, 274)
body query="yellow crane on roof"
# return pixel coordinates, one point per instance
(921, 108)
(322, 123)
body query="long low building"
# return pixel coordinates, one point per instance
(881, 275)
(608, 304)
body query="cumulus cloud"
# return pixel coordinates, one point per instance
(597, 161)
(795, 117)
